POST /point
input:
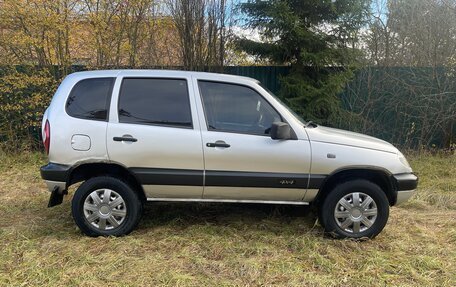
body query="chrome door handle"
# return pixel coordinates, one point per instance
(218, 144)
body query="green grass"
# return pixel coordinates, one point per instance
(225, 244)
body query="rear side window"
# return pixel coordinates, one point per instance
(155, 101)
(90, 98)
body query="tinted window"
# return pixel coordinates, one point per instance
(155, 101)
(90, 99)
(236, 108)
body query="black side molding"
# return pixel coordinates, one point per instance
(316, 181)
(159, 176)
(163, 176)
(406, 181)
(55, 172)
(256, 179)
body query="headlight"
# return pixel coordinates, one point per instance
(402, 159)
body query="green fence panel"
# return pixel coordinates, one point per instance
(267, 75)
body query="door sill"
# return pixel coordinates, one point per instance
(227, 200)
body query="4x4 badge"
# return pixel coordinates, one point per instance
(287, 181)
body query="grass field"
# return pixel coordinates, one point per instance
(225, 244)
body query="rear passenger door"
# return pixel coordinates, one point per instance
(154, 132)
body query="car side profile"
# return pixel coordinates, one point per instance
(132, 136)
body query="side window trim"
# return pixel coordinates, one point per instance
(108, 99)
(122, 79)
(209, 129)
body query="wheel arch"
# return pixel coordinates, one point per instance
(379, 176)
(86, 171)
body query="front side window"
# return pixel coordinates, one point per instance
(90, 98)
(236, 108)
(155, 101)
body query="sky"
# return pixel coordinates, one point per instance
(379, 9)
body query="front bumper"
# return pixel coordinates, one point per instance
(406, 184)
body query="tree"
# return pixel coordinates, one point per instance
(36, 31)
(24, 95)
(138, 12)
(106, 33)
(417, 33)
(201, 29)
(318, 39)
(414, 44)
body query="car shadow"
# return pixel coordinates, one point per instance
(178, 217)
(184, 215)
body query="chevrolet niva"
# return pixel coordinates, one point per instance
(133, 136)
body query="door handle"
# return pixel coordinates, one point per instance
(125, 139)
(218, 144)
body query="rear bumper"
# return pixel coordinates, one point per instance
(55, 172)
(406, 184)
(56, 178)
(51, 185)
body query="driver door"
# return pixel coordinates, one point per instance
(241, 160)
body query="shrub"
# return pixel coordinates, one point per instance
(24, 96)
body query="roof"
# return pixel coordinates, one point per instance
(143, 73)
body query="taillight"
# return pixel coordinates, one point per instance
(47, 136)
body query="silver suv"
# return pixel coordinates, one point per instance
(135, 136)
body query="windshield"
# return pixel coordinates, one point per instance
(298, 117)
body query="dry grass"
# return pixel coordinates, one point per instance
(222, 244)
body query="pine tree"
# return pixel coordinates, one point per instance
(318, 38)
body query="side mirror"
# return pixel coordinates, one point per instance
(280, 131)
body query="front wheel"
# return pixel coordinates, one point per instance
(355, 209)
(104, 206)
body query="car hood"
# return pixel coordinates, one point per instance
(342, 137)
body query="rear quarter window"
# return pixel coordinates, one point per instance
(89, 99)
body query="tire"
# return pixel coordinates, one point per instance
(365, 219)
(96, 216)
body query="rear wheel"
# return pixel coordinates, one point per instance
(355, 209)
(104, 206)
